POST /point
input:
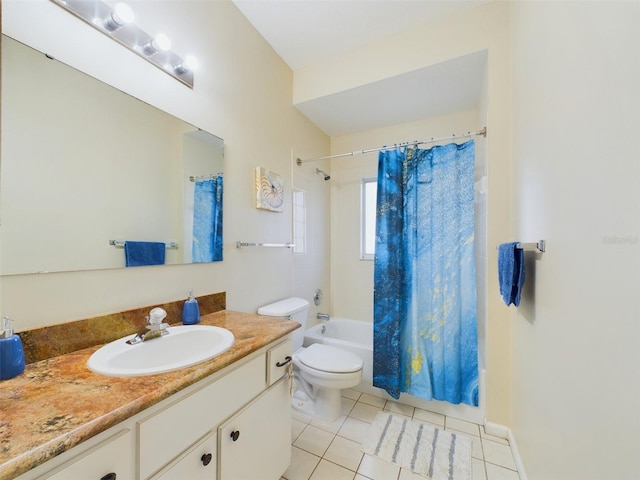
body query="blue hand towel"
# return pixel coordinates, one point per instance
(510, 272)
(137, 254)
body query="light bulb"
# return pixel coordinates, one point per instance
(189, 64)
(120, 16)
(160, 43)
(123, 13)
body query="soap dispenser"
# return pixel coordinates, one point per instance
(11, 352)
(190, 311)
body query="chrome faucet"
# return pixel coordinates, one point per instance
(323, 316)
(155, 328)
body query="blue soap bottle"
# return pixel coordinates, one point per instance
(190, 311)
(11, 352)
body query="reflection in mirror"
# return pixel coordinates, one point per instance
(84, 164)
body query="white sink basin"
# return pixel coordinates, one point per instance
(184, 346)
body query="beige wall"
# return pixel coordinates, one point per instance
(576, 178)
(243, 94)
(478, 29)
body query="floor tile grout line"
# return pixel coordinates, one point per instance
(342, 466)
(347, 415)
(314, 469)
(502, 466)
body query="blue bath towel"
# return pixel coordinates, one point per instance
(510, 272)
(137, 254)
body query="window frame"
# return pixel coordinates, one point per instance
(364, 231)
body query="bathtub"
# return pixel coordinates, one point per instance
(357, 336)
(353, 335)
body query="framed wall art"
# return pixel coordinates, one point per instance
(269, 190)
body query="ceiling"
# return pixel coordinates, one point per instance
(304, 32)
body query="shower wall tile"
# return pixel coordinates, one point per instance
(311, 220)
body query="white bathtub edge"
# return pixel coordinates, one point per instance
(462, 411)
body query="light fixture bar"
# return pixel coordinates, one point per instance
(101, 17)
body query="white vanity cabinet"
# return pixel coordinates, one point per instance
(188, 435)
(166, 434)
(111, 459)
(256, 442)
(198, 463)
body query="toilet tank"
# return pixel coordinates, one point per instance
(296, 309)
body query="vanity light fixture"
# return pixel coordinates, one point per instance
(117, 23)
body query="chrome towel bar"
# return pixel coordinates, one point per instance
(539, 246)
(120, 243)
(534, 246)
(240, 244)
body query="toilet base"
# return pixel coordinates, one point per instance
(327, 406)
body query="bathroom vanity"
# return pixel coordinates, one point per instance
(227, 418)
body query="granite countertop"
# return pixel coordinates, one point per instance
(58, 403)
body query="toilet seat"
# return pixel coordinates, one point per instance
(323, 371)
(330, 359)
(319, 371)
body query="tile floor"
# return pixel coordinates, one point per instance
(322, 451)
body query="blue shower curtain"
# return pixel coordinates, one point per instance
(207, 220)
(425, 321)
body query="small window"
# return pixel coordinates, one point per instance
(369, 191)
(299, 221)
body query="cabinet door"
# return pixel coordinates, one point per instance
(166, 434)
(256, 442)
(199, 463)
(112, 459)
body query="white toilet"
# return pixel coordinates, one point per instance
(320, 371)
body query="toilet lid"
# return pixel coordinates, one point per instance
(330, 359)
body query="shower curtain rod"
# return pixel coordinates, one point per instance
(211, 176)
(482, 132)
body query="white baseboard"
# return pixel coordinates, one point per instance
(496, 430)
(516, 456)
(501, 431)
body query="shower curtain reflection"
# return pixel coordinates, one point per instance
(207, 220)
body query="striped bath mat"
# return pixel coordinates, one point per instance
(419, 447)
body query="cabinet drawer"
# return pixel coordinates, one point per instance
(171, 431)
(255, 444)
(114, 455)
(278, 359)
(199, 463)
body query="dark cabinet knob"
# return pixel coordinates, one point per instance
(287, 359)
(206, 459)
(235, 435)
(109, 476)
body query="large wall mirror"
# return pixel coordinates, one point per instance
(85, 168)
